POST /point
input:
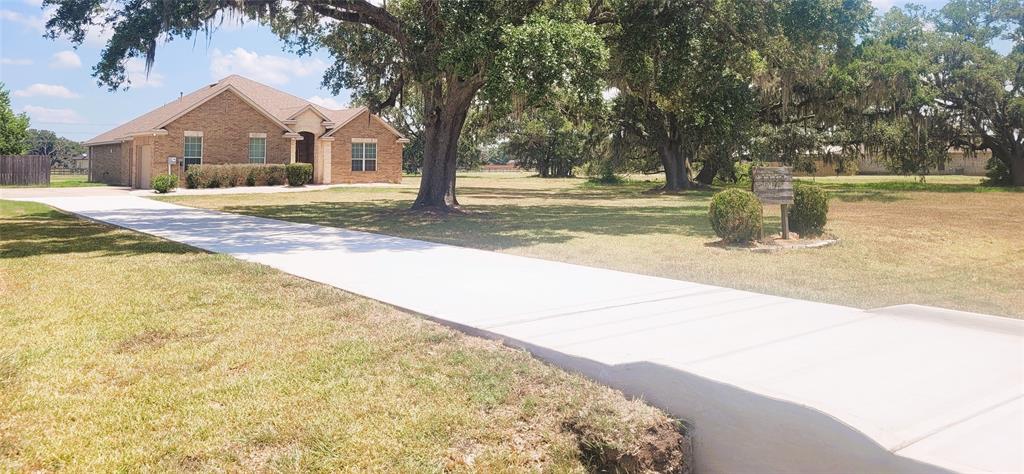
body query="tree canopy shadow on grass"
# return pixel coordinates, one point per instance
(891, 191)
(51, 232)
(580, 193)
(492, 227)
(904, 186)
(847, 195)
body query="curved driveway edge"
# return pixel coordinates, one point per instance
(770, 384)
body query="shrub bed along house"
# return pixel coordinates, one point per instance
(227, 176)
(736, 215)
(299, 174)
(809, 212)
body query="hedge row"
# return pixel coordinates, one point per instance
(228, 176)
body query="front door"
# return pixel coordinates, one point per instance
(304, 148)
(144, 165)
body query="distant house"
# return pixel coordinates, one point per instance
(80, 163)
(237, 120)
(959, 162)
(494, 167)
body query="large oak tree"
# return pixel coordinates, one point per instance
(931, 80)
(451, 52)
(698, 75)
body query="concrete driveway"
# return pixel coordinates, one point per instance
(84, 191)
(770, 384)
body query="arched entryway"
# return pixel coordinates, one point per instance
(304, 148)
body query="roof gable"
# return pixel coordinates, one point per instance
(358, 113)
(232, 89)
(312, 107)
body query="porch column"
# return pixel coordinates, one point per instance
(325, 168)
(291, 151)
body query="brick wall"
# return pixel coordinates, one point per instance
(389, 153)
(226, 122)
(108, 164)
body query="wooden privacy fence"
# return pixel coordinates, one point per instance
(25, 169)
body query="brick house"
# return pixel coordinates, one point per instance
(237, 120)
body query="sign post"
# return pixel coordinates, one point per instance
(774, 185)
(171, 160)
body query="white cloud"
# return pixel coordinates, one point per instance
(51, 116)
(95, 35)
(136, 69)
(66, 60)
(46, 90)
(329, 102)
(263, 68)
(36, 23)
(16, 61)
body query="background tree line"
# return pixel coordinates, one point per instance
(806, 82)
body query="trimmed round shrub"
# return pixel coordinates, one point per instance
(299, 174)
(809, 211)
(736, 215)
(164, 183)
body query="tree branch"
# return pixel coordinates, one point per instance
(396, 90)
(360, 11)
(599, 15)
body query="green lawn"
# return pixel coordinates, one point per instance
(123, 352)
(63, 181)
(948, 242)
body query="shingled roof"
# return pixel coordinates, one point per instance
(277, 105)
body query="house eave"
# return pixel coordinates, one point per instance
(147, 133)
(105, 142)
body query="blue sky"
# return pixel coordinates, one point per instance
(52, 82)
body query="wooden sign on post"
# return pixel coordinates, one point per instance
(774, 185)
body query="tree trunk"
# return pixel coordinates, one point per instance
(445, 114)
(708, 172)
(1016, 165)
(677, 168)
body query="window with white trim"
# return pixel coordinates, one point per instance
(193, 151)
(364, 155)
(258, 148)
